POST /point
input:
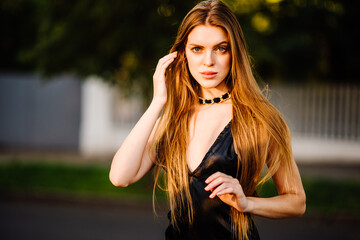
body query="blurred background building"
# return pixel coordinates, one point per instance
(77, 78)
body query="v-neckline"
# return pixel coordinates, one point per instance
(209, 151)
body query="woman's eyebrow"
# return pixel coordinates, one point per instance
(194, 44)
(223, 42)
(217, 44)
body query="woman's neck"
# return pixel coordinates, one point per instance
(213, 92)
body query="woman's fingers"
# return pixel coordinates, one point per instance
(214, 176)
(222, 189)
(217, 181)
(220, 183)
(164, 63)
(218, 178)
(228, 189)
(159, 76)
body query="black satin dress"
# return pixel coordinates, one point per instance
(211, 216)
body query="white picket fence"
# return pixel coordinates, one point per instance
(328, 112)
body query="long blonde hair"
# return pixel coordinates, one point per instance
(260, 134)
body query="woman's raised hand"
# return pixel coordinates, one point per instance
(228, 189)
(159, 77)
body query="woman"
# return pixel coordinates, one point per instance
(214, 137)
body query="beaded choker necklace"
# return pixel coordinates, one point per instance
(215, 100)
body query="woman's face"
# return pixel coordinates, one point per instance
(208, 56)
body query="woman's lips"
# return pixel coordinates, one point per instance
(208, 74)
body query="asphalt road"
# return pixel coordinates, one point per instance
(21, 220)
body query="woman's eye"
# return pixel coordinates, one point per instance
(222, 49)
(196, 49)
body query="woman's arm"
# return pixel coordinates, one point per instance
(289, 203)
(132, 161)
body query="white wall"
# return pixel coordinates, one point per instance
(99, 134)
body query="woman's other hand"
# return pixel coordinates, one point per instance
(288, 203)
(228, 189)
(160, 93)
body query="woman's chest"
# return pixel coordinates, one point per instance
(205, 127)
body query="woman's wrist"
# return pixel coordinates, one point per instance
(248, 208)
(158, 101)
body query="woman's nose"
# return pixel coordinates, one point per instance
(209, 58)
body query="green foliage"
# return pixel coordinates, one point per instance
(333, 196)
(18, 26)
(40, 178)
(301, 40)
(118, 40)
(267, 190)
(323, 196)
(289, 40)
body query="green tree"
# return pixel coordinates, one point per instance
(289, 40)
(302, 40)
